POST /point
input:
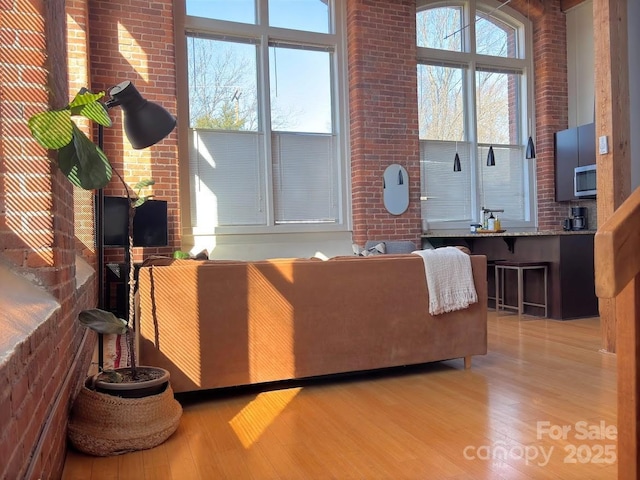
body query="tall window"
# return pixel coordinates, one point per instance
(474, 91)
(264, 96)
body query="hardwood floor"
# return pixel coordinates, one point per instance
(540, 405)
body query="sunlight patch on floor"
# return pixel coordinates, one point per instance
(255, 418)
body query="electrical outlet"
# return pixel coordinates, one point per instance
(603, 145)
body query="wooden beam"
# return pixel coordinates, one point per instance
(567, 4)
(614, 186)
(531, 8)
(612, 104)
(612, 121)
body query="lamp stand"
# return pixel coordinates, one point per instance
(99, 233)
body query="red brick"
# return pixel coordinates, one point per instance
(41, 258)
(19, 391)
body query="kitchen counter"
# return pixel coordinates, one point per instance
(569, 255)
(506, 233)
(444, 237)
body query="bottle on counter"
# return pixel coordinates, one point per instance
(491, 222)
(497, 223)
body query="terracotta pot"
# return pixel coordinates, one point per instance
(133, 389)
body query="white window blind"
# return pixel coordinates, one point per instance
(446, 194)
(266, 91)
(305, 178)
(228, 174)
(505, 187)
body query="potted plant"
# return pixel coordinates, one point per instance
(130, 408)
(132, 381)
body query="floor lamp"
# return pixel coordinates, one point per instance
(145, 124)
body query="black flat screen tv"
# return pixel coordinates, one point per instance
(149, 223)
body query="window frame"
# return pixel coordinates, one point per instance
(265, 35)
(471, 62)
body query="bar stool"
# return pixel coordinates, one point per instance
(491, 275)
(520, 267)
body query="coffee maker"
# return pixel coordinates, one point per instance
(579, 217)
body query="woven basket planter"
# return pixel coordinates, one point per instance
(105, 425)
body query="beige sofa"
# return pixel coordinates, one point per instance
(222, 323)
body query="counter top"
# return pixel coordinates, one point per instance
(507, 233)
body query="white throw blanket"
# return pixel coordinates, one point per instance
(449, 279)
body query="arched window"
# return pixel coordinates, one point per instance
(474, 92)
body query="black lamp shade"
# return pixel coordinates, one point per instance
(145, 123)
(491, 159)
(456, 163)
(531, 150)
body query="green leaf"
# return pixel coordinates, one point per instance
(52, 129)
(96, 112)
(93, 167)
(73, 177)
(147, 182)
(67, 158)
(68, 163)
(86, 104)
(139, 201)
(103, 322)
(85, 97)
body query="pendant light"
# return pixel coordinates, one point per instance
(491, 159)
(456, 161)
(531, 150)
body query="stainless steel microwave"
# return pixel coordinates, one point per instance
(584, 181)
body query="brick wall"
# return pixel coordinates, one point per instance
(383, 105)
(552, 104)
(78, 64)
(37, 240)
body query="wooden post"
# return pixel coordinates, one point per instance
(612, 120)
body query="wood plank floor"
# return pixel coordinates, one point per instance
(540, 405)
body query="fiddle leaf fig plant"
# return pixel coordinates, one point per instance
(82, 161)
(87, 167)
(104, 322)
